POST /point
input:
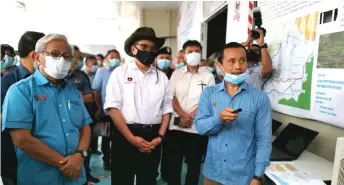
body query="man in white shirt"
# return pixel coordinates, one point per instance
(139, 101)
(187, 84)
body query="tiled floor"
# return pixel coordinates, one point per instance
(98, 171)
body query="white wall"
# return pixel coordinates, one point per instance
(164, 23)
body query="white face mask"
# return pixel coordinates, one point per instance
(193, 59)
(57, 69)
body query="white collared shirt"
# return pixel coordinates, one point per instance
(141, 97)
(187, 88)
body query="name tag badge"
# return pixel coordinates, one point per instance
(40, 97)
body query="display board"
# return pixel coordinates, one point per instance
(306, 43)
(190, 21)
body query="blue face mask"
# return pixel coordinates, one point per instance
(7, 62)
(94, 68)
(80, 64)
(163, 64)
(210, 69)
(99, 62)
(234, 79)
(180, 65)
(219, 72)
(114, 63)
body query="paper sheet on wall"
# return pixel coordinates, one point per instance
(286, 173)
(306, 43)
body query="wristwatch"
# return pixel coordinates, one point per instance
(264, 46)
(161, 137)
(259, 178)
(84, 153)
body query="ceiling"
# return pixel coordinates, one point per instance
(161, 5)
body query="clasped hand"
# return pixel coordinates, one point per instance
(71, 166)
(228, 115)
(145, 146)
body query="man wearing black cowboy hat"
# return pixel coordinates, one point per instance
(164, 60)
(139, 101)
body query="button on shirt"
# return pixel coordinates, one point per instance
(100, 81)
(55, 116)
(187, 88)
(141, 97)
(239, 150)
(255, 78)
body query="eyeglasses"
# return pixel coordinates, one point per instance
(145, 47)
(57, 55)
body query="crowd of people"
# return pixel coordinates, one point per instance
(159, 112)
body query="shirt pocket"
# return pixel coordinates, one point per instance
(75, 109)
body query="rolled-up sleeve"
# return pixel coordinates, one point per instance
(167, 102)
(114, 97)
(206, 122)
(263, 135)
(17, 110)
(97, 82)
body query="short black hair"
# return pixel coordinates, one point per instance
(76, 48)
(100, 55)
(112, 50)
(164, 50)
(90, 58)
(181, 51)
(191, 43)
(230, 45)
(27, 42)
(6, 47)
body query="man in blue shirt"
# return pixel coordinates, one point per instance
(237, 119)
(47, 119)
(113, 60)
(26, 47)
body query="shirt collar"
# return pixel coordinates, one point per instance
(222, 86)
(133, 65)
(42, 80)
(185, 69)
(23, 72)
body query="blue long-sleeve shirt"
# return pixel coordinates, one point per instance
(239, 150)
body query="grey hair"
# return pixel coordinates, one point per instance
(41, 43)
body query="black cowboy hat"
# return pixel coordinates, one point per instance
(142, 33)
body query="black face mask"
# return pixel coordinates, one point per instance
(253, 56)
(146, 57)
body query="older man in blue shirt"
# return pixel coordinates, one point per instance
(47, 119)
(237, 119)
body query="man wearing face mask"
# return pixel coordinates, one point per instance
(78, 58)
(180, 59)
(113, 60)
(237, 119)
(100, 61)
(187, 84)
(259, 61)
(139, 101)
(163, 61)
(26, 47)
(7, 59)
(91, 67)
(51, 131)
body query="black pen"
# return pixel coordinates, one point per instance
(237, 111)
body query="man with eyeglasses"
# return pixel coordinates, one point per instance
(47, 119)
(139, 101)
